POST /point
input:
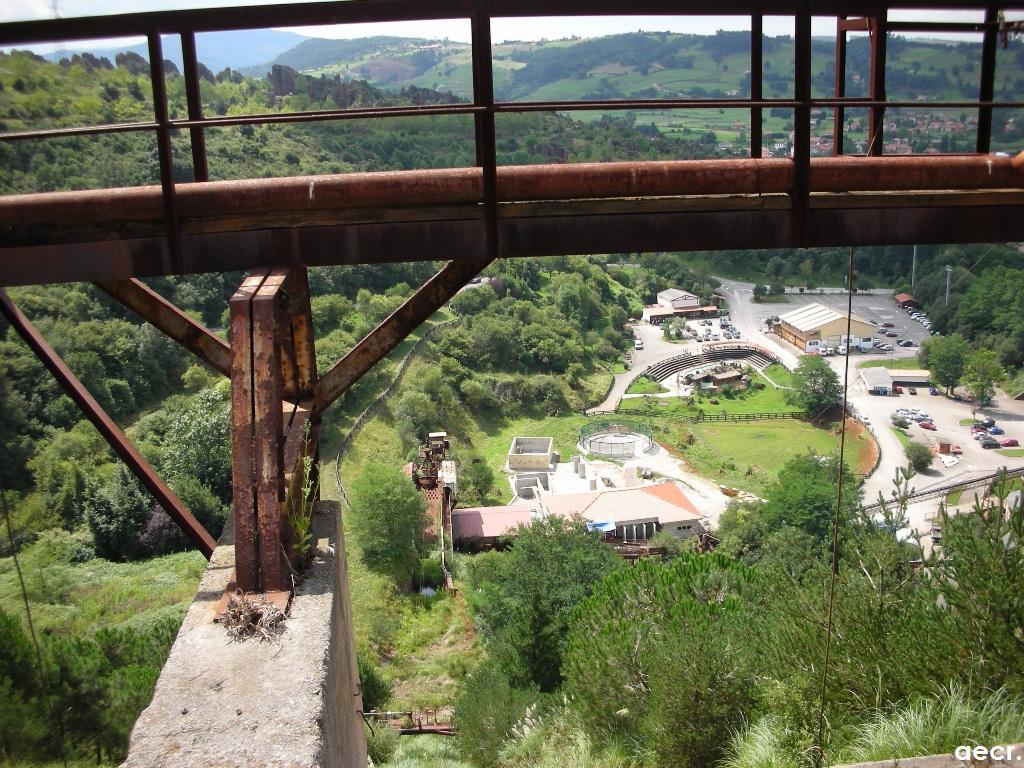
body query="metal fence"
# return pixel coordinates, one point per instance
(633, 437)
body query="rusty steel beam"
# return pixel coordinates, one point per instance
(406, 216)
(193, 95)
(375, 346)
(530, 229)
(309, 14)
(163, 146)
(273, 371)
(756, 82)
(988, 78)
(302, 336)
(268, 432)
(839, 116)
(127, 212)
(801, 122)
(876, 114)
(106, 426)
(171, 321)
(243, 464)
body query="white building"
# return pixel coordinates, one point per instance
(876, 381)
(674, 298)
(635, 513)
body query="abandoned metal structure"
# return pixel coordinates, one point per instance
(276, 228)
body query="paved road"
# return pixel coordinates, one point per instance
(946, 413)
(876, 411)
(655, 350)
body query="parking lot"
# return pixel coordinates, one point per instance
(946, 413)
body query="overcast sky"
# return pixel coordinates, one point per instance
(456, 29)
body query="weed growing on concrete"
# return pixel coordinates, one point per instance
(245, 618)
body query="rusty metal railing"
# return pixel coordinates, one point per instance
(851, 15)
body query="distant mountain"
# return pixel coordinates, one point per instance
(217, 50)
(654, 65)
(381, 60)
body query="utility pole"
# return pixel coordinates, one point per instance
(949, 271)
(913, 270)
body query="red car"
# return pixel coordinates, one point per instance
(926, 425)
(956, 450)
(976, 428)
(888, 325)
(1009, 442)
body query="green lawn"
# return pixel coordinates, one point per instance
(645, 386)
(73, 598)
(899, 363)
(767, 400)
(953, 497)
(902, 436)
(781, 375)
(1015, 453)
(748, 455)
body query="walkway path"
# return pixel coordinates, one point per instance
(655, 350)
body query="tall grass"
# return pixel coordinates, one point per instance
(426, 752)
(556, 739)
(928, 726)
(938, 724)
(759, 745)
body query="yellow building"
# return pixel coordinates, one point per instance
(814, 325)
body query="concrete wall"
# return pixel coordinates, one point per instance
(1009, 755)
(530, 453)
(294, 702)
(535, 461)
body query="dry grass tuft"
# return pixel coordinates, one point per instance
(246, 618)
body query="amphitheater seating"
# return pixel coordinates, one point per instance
(756, 356)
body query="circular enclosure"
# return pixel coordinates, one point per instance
(616, 438)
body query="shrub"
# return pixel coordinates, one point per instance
(381, 743)
(919, 456)
(375, 687)
(486, 710)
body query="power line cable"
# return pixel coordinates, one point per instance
(28, 615)
(833, 577)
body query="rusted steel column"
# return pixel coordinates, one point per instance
(756, 81)
(838, 116)
(430, 297)
(163, 145)
(195, 105)
(243, 466)
(801, 124)
(268, 431)
(988, 78)
(267, 425)
(162, 314)
(302, 332)
(876, 115)
(123, 447)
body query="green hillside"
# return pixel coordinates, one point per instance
(652, 65)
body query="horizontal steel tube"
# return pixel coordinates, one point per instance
(325, 13)
(464, 186)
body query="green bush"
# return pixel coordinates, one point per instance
(431, 574)
(486, 710)
(919, 456)
(381, 743)
(375, 687)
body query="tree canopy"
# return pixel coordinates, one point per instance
(387, 517)
(817, 385)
